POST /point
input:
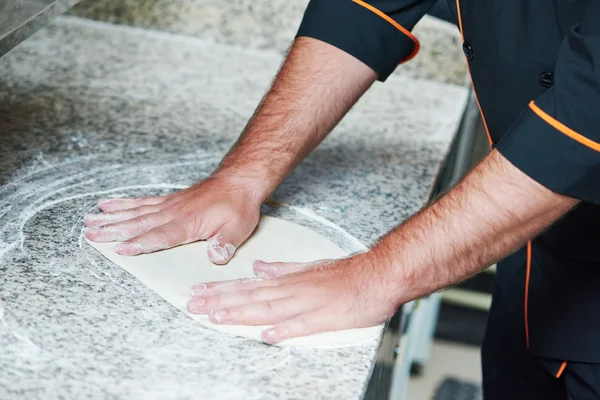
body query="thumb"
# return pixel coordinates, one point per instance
(223, 244)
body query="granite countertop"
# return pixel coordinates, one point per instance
(271, 24)
(91, 110)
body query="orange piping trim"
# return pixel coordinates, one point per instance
(564, 129)
(527, 276)
(561, 370)
(459, 18)
(487, 131)
(396, 25)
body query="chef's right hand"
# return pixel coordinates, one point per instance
(218, 210)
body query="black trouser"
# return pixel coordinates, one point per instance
(511, 372)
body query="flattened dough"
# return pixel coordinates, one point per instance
(171, 273)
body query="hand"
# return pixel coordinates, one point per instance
(216, 210)
(301, 299)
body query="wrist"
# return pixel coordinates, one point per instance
(383, 273)
(254, 188)
(403, 273)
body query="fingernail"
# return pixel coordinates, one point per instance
(92, 234)
(195, 304)
(92, 231)
(127, 249)
(121, 248)
(198, 288)
(270, 334)
(218, 315)
(104, 201)
(220, 254)
(91, 219)
(200, 301)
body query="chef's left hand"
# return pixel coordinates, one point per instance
(302, 299)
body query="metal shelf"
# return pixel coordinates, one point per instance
(19, 19)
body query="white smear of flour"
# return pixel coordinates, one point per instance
(5, 211)
(6, 248)
(24, 339)
(29, 212)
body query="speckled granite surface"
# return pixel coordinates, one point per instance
(91, 110)
(271, 24)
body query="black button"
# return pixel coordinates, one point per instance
(468, 50)
(547, 79)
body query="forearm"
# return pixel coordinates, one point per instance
(494, 211)
(315, 88)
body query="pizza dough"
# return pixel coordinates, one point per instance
(171, 273)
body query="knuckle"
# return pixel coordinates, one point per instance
(136, 210)
(191, 222)
(243, 284)
(170, 228)
(166, 234)
(214, 301)
(254, 296)
(161, 230)
(270, 307)
(116, 215)
(301, 323)
(242, 314)
(259, 294)
(168, 201)
(142, 219)
(149, 209)
(151, 220)
(224, 287)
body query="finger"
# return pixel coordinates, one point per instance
(267, 270)
(106, 218)
(203, 304)
(231, 286)
(304, 324)
(264, 313)
(126, 230)
(110, 205)
(223, 244)
(159, 238)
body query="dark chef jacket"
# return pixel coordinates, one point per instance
(535, 66)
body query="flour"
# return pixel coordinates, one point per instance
(15, 332)
(5, 211)
(218, 253)
(29, 212)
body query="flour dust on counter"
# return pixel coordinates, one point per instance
(172, 273)
(91, 110)
(66, 310)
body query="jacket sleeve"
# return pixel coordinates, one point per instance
(556, 139)
(377, 32)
